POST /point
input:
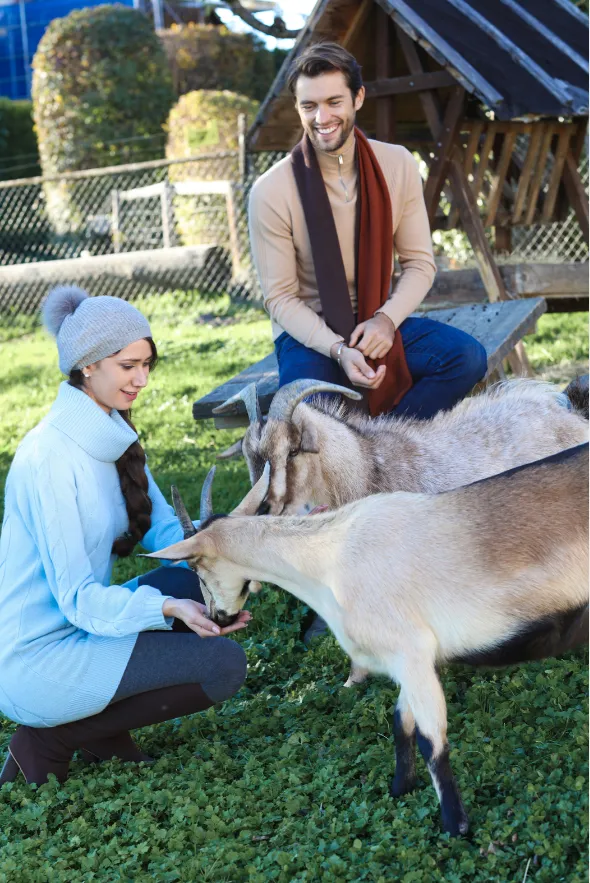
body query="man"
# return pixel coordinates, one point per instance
(324, 224)
(331, 335)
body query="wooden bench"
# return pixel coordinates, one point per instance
(498, 326)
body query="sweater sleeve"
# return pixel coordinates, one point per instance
(273, 250)
(110, 611)
(413, 244)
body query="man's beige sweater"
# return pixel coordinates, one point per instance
(282, 250)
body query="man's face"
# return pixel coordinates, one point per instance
(327, 109)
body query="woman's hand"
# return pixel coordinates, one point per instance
(194, 615)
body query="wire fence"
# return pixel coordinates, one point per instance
(166, 225)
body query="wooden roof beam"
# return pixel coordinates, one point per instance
(421, 32)
(549, 35)
(412, 83)
(549, 83)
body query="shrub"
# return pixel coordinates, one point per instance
(210, 57)
(101, 91)
(19, 154)
(205, 122)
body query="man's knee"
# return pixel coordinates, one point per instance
(230, 670)
(473, 361)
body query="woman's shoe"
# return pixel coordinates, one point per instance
(121, 746)
(37, 753)
(10, 770)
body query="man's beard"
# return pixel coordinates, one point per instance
(317, 142)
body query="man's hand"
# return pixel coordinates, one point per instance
(194, 615)
(358, 371)
(374, 338)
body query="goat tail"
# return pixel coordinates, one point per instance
(577, 393)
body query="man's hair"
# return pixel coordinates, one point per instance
(321, 58)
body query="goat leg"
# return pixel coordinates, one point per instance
(404, 728)
(356, 675)
(425, 698)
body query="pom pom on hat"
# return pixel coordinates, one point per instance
(61, 302)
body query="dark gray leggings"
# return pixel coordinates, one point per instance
(164, 659)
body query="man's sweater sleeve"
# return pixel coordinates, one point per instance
(49, 494)
(413, 244)
(271, 239)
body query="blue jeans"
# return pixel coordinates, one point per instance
(445, 364)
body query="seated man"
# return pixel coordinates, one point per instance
(324, 223)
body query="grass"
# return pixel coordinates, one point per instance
(288, 781)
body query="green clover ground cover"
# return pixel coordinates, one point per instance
(288, 781)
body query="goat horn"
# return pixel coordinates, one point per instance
(234, 450)
(206, 501)
(248, 395)
(289, 396)
(188, 527)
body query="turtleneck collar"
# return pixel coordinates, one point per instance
(103, 436)
(329, 162)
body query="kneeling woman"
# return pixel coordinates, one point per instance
(82, 662)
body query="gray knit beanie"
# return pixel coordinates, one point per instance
(88, 329)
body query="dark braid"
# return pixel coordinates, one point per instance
(132, 478)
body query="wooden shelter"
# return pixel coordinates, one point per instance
(493, 94)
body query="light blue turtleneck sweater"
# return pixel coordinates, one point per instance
(66, 634)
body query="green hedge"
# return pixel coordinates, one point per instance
(101, 91)
(209, 57)
(204, 122)
(19, 154)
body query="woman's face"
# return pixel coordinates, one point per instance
(115, 382)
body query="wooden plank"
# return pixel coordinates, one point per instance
(470, 150)
(563, 145)
(538, 176)
(234, 242)
(408, 84)
(527, 170)
(444, 148)
(469, 213)
(202, 188)
(427, 100)
(576, 147)
(150, 191)
(499, 177)
(576, 193)
(499, 327)
(167, 221)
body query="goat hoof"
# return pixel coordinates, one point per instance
(402, 786)
(455, 824)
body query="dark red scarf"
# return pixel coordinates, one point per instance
(374, 257)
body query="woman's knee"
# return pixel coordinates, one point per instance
(229, 672)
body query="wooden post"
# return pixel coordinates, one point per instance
(445, 141)
(165, 202)
(234, 243)
(385, 108)
(243, 155)
(116, 221)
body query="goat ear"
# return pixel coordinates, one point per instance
(186, 550)
(255, 496)
(309, 441)
(233, 452)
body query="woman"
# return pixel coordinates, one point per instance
(82, 662)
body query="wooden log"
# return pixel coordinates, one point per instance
(150, 265)
(384, 123)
